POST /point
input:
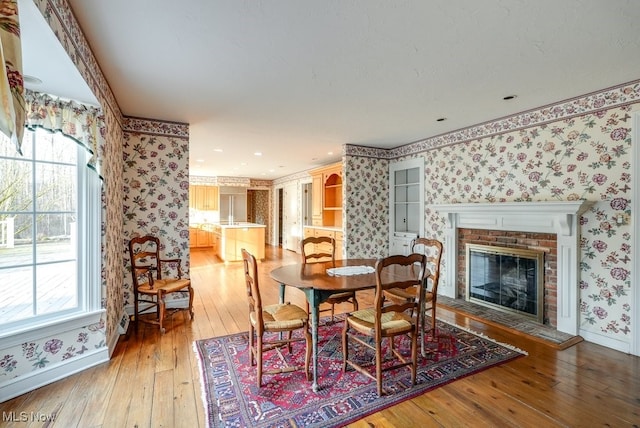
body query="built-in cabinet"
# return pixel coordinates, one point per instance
(204, 198)
(326, 206)
(323, 231)
(406, 204)
(326, 191)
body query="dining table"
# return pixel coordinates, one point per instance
(320, 280)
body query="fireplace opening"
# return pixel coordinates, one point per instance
(507, 279)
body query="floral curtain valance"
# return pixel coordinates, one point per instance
(11, 81)
(85, 124)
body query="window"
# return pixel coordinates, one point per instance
(49, 232)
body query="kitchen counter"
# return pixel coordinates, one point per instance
(234, 237)
(241, 225)
(212, 226)
(228, 240)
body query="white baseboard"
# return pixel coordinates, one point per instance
(113, 341)
(598, 339)
(28, 382)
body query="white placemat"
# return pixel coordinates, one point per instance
(350, 270)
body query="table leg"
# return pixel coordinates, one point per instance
(314, 304)
(282, 293)
(422, 320)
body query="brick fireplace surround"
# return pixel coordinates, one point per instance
(558, 218)
(545, 242)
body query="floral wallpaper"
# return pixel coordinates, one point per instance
(365, 213)
(156, 191)
(576, 156)
(260, 209)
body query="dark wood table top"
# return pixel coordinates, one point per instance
(314, 275)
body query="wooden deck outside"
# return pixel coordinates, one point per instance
(56, 282)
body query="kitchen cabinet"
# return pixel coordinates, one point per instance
(193, 235)
(203, 198)
(199, 237)
(406, 204)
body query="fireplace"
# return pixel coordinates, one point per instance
(506, 279)
(560, 218)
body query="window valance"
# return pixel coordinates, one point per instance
(83, 123)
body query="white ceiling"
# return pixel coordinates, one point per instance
(297, 79)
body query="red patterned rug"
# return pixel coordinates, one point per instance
(232, 399)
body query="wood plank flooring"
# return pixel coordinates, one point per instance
(152, 380)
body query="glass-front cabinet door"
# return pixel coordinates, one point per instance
(406, 204)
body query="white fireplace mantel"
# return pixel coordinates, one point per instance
(559, 217)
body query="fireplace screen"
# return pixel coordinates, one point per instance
(508, 279)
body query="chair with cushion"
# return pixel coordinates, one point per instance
(323, 248)
(388, 319)
(265, 321)
(151, 283)
(432, 248)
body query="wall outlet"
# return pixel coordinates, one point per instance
(622, 218)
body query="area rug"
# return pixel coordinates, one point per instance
(232, 399)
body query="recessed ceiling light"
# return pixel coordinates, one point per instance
(509, 97)
(217, 150)
(330, 153)
(441, 119)
(31, 80)
(199, 160)
(258, 153)
(243, 164)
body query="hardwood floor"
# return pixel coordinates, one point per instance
(152, 380)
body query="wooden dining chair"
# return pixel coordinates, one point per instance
(388, 319)
(323, 248)
(151, 285)
(277, 318)
(432, 248)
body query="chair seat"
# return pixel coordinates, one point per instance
(409, 294)
(405, 294)
(340, 297)
(166, 285)
(283, 316)
(393, 323)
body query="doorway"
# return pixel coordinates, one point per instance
(280, 215)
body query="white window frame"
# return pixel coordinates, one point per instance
(88, 274)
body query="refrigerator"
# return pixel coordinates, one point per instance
(233, 204)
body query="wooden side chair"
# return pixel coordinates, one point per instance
(432, 248)
(278, 318)
(388, 319)
(312, 254)
(151, 284)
